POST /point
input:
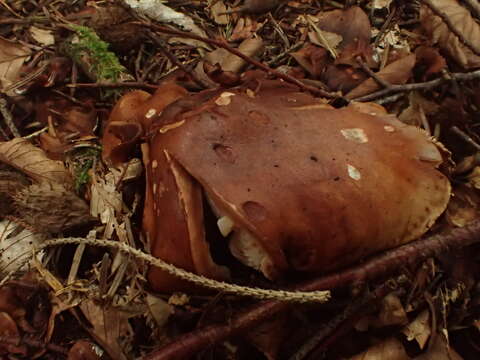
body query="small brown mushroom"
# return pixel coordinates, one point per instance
(298, 185)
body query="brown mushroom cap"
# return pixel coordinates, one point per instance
(319, 188)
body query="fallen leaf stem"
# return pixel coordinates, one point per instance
(392, 89)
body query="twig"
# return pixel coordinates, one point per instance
(189, 344)
(392, 89)
(223, 44)
(463, 135)
(174, 60)
(131, 84)
(372, 74)
(294, 47)
(353, 310)
(452, 27)
(384, 28)
(339, 328)
(7, 116)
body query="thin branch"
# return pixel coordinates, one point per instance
(224, 45)
(463, 135)
(452, 27)
(372, 74)
(126, 84)
(393, 89)
(189, 344)
(174, 60)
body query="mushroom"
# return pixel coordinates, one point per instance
(295, 184)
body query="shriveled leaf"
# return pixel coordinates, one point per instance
(109, 327)
(418, 107)
(217, 11)
(392, 312)
(390, 349)
(42, 36)
(419, 329)
(228, 62)
(312, 58)
(31, 160)
(395, 73)
(250, 47)
(439, 32)
(159, 309)
(354, 27)
(12, 57)
(325, 39)
(245, 28)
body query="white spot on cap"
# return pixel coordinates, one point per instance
(224, 98)
(357, 135)
(154, 164)
(389, 128)
(353, 172)
(150, 113)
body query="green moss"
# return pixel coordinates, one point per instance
(88, 49)
(84, 159)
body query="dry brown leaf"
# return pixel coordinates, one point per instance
(12, 57)
(390, 349)
(330, 39)
(245, 28)
(439, 32)
(312, 58)
(42, 36)
(395, 73)
(217, 11)
(159, 309)
(249, 47)
(418, 105)
(227, 61)
(31, 160)
(419, 329)
(109, 327)
(391, 312)
(354, 27)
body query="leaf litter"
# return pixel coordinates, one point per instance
(63, 66)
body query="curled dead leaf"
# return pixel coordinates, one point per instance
(439, 32)
(32, 161)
